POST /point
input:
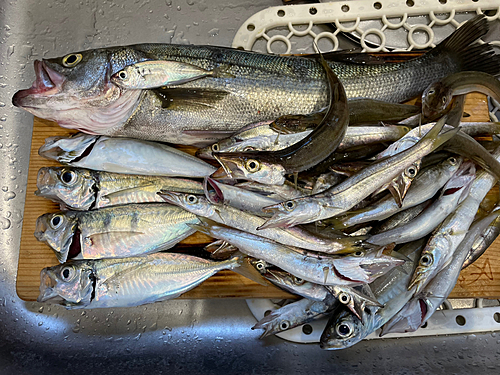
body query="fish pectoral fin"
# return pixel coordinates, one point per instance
(172, 98)
(103, 239)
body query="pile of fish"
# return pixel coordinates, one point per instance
(305, 184)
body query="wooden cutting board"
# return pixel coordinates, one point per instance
(482, 279)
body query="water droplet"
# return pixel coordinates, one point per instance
(40, 310)
(213, 32)
(2, 104)
(40, 324)
(178, 7)
(9, 196)
(168, 2)
(3, 118)
(5, 188)
(4, 223)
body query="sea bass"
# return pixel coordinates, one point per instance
(76, 91)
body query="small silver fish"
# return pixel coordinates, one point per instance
(157, 73)
(126, 282)
(293, 315)
(123, 155)
(85, 189)
(114, 232)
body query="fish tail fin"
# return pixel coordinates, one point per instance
(478, 57)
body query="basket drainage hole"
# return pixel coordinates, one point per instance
(250, 27)
(410, 3)
(460, 320)
(443, 1)
(281, 13)
(496, 316)
(313, 11)
(267, 312)
(424, 325)
(377, 5)
(345, 8)
(307, 329)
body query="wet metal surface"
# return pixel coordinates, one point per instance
(182, 336)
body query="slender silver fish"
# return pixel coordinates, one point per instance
(421, 307)
(454, 192)
(352, 269)
(346, 195)
(425, 186)
(293, 315)
(446, 238)
(345, 330)
(241, 220)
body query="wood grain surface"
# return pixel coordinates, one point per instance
(482, 279)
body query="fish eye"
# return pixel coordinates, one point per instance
(358, 253)
(192, 199)
(426, 260)
(289, 205)
(71, 60)
(411, 172)
(298, 281)
(344, 330)
(444, 99)
(215, 147)
(344, 298)
(252, 166)
(68, 273)
(260, 266)
(68, 177)
(284, 325)
(452, 160)
(123, 74)
(56, 221)
(430, 92)
(249, 148)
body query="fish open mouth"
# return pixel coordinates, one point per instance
(213, 193)
(47, 82)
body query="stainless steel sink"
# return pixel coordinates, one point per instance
(180, 336)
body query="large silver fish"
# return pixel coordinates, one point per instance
(75, 90)
(113, 232)
(84, 189)
(126, 282)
